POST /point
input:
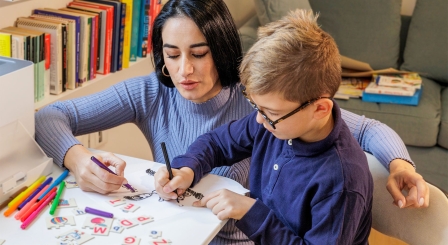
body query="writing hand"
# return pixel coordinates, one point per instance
(403, 177)
(226, 204)
(181, 181)
(89, 176)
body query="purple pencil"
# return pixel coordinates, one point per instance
(99, 212)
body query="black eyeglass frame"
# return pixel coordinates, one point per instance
(272, 123)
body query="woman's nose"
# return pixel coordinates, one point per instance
(186, 67)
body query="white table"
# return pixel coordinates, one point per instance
(195, 226)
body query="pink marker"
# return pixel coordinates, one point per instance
(30, 203)
(35, 213)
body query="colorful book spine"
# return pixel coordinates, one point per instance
(78, 36)
(121, 43)
(127, 32)
(5, 44)
(144, 29)
(136, 13)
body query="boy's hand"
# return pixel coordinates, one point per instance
(403, 177)
(226, 204)
(167, 188)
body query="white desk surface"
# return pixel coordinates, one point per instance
(195, 226)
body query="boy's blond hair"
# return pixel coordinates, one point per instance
(294, 57)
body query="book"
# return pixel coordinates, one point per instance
(154, 10)
(72, 73)
(127, 31)
(92, 18)
(142, 45)
(101, 33)
(56, 82)
(5, 44)
(80, 74)
(26, 42)
(355, 68)
(352, 87)
(116, 31)
(136, 13)
(410, 80)
(394, 99)
(373, 88)
(85, 38)
(109, 31)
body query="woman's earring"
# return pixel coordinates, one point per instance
(163, 71)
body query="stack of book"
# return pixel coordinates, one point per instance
(70, 46)
(352, 87)
(403, 89)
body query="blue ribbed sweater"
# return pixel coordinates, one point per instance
(163, 115)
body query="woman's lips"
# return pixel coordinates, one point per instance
(189, 85)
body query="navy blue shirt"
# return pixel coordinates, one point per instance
(307, 193)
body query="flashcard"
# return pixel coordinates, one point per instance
(1, 241)
(129, 207)
(155, 234)
(143, 219)
(78, 211)
(131, 240)
(70, 184)
(101, 226)
(64, 203)
(115, 202)
(56, 222)
(128, 223)
(160, 241)
(117, 228)
(73, 237)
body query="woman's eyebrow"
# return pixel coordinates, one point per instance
(167, 45)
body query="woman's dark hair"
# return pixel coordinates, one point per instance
(216, 23)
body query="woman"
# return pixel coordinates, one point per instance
(195, 88)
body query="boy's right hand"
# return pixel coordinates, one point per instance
(167, 188)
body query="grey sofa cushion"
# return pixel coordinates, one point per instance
(368, 31)
(248, 33)
(272, 10)
(443, 134)
(426, 48)
(416, 125)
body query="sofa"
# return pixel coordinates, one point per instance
(376, 32)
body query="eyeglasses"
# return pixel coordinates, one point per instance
(272, 123)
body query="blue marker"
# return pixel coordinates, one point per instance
(55, 183)
(46, 182)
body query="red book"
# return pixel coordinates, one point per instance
(109, 29)
(47, 50)
(154, 10)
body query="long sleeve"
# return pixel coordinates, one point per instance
(329, 219)
(376, 138)
(59, 123)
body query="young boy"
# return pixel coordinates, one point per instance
(309, 179)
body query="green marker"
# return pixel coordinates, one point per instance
(56, 199)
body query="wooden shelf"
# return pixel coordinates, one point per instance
(140, 67)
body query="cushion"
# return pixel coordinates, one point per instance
(367, 31)
(426, 48)
(272, 10)
(443, 134)
(416, 125)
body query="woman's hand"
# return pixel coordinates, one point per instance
(402, 176)
(89, 176)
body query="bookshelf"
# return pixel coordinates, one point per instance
(125, 139)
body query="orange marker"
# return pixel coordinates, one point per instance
(36, 205)
(22, 196)
(30, 203)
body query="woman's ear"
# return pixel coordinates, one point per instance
(323, 108)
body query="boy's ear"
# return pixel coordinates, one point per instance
(323, 108)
